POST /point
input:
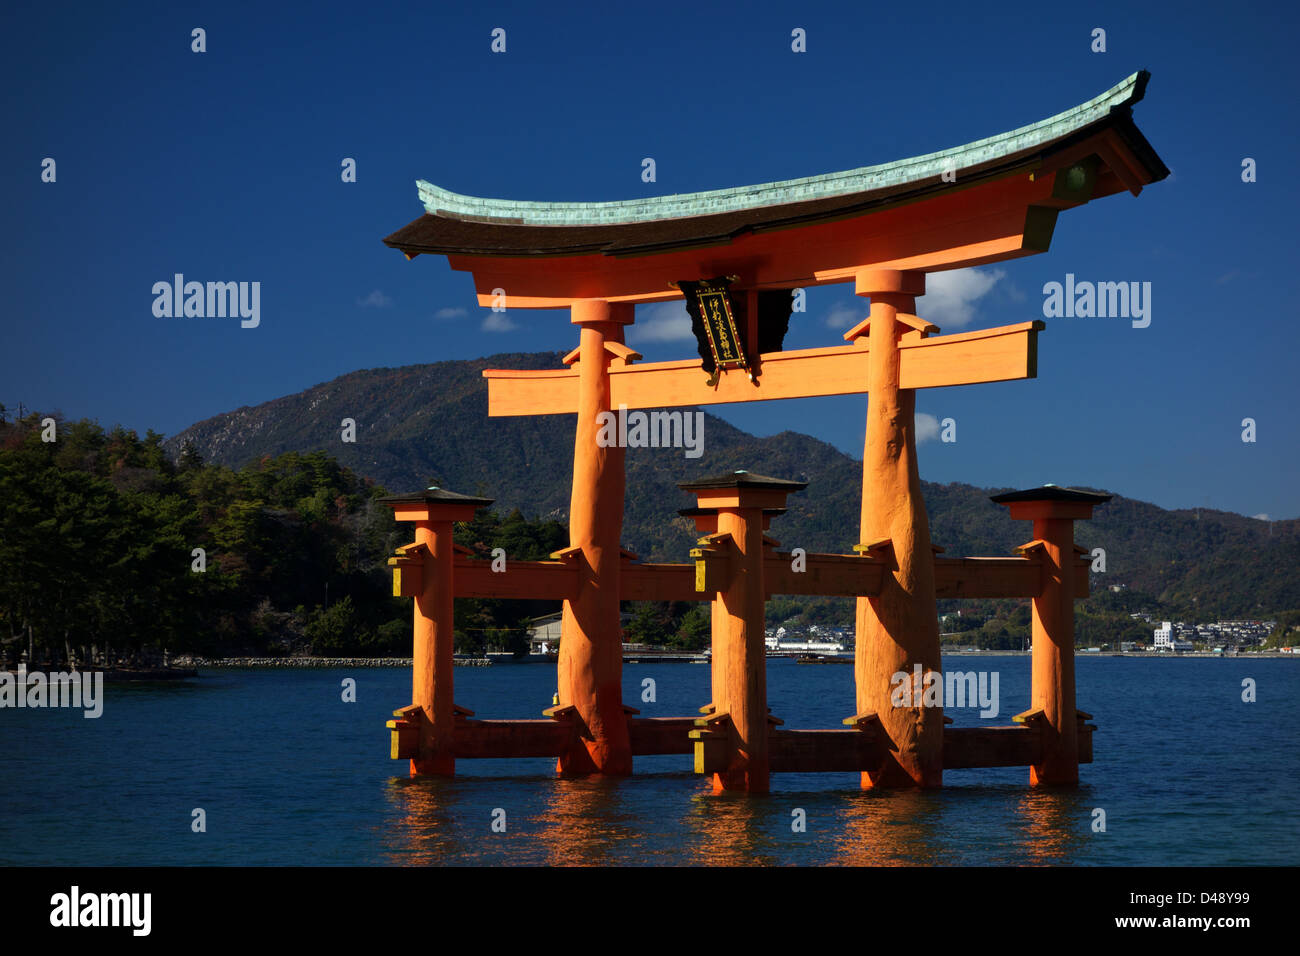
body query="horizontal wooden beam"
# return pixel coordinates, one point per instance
(984, 220)
(540, 580)
(988, 577)
(834, 751)
(990, 355)
(488, 739)
(966, 748)
(661, 735)
(833, 575)
(823, 751)
(659, 582)
(476, 739)
(790, 751)
(839, 575)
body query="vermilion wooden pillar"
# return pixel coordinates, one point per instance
(590, 666)
(706, 522)
(898, 628)
(1053, 511)
(739, 646)
(429, 562)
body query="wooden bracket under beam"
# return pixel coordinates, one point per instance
(713, 721)
(561, 712)
(619, 352)
(862, 721)
(1030, 716)
(917, 324)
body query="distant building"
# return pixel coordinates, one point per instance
(1164, 637)
(544, 634)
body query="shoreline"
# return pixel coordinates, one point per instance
(327, 662)
(188, 666)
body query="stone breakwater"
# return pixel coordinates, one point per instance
(316, 662)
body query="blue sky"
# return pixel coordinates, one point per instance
(225, 166)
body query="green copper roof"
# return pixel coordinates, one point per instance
(441, 201)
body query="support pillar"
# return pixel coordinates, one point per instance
(897, 629)
(739, 645)
(706, 523)
(590, 666)
(1053, 511)
(425, 571)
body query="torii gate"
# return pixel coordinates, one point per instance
(882, 227)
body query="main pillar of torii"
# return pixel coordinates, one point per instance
(896, 629)
(590, 667)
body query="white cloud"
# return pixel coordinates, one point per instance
(662, 322)
(927, 427)
(455, 312)
(950, 297)
(376, 300)
(1262, 517)
(499, 322)
(845, 315)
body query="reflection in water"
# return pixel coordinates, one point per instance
(626, 821)
(733, 829)
(1056, 824)
(423, 831)
(586, 820)
(892, 828)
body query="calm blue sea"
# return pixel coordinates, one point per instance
(1185, 771)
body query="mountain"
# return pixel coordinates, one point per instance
(428, 424)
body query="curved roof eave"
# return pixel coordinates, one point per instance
(444, 203)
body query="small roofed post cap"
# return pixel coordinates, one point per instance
(434, 502)
(1051, 501)
(742, 489)
(1050, 492)
(742, 479)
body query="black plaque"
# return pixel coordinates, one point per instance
(713, 320)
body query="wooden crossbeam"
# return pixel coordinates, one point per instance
(542, 580)
(659, 582)
(790, 751)
(823, 751)
(841, 575)
(831, 575)
(828, 751)
(988, 577)
(969, 747)
(661, 735)
(989, 355)
(477, 739)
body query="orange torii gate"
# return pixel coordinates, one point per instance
(735, 255)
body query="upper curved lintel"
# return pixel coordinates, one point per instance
(443, 202)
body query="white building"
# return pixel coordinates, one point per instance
(1165, 636)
